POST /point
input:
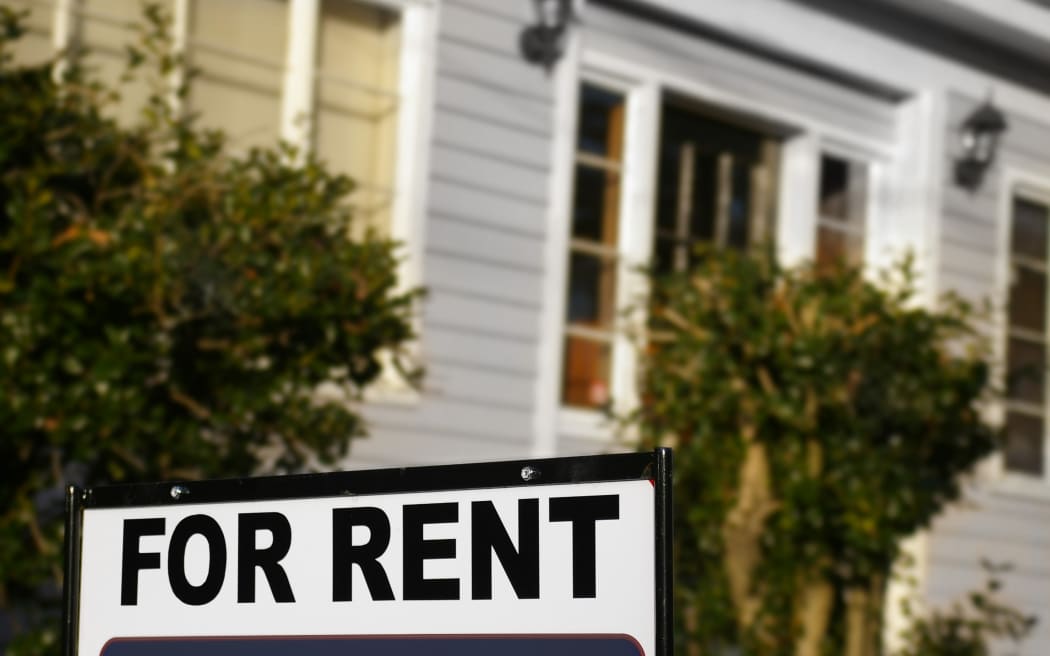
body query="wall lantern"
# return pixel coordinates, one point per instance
(544, 42)
(979, 137)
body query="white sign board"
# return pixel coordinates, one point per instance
(411, 561)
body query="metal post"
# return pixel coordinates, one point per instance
(71, 579)
(664, 553)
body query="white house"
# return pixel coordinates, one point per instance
(527, 197)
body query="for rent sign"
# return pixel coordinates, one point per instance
(566, 555)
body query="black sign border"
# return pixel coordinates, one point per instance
(656, 466)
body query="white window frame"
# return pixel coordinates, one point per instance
(634, 247)
(795, 221)
(875, 164)
(1014, 183)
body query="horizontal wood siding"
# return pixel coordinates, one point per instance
(483, 251)
(990, 523)
(1001, 529)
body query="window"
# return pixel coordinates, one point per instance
(356, 109)
(35, 46)
(1026, 340)
(842, 209)
(716, 181)
(239, 48)
(593, 254)
(347, 107)
(101, 30)
(715, 185)
(330, 69)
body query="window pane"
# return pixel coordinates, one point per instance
(601, 122)
(1029, 229)
(355, 125)
(834, 188)
(586, 373)
(1027, 371)
(701, 223)
(713, 184)
(239, 47)
(592, 282)
(595, 205)
(106, 28)
(843, 190)
(740, 207)
(1028, 299)
(686, 205)
(34, 46)
(1023, 451)
(835, 246)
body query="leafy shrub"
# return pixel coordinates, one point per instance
(166, 308)
(818, 418)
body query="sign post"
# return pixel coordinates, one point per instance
(564, 555)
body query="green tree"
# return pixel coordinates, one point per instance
(817, 419)
(167, 309)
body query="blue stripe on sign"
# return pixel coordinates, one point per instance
(561, 645)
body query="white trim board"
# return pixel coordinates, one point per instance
(862, 52)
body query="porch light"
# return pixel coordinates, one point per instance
(544, 42)
(979, 138)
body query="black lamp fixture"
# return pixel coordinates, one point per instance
(979, 138)
(544, 42)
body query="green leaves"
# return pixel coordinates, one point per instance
(866, 405)
(167, 309)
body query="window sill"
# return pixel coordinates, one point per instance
(1021, 486)
(593, 426)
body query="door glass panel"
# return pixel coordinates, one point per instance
(740, 207)
(706, 189)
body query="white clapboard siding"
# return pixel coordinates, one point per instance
(446, 417)
(990, 522)
(473, 385)
(485, 209)
(492, 104)
(394, 447)
(481, 277)
(461, 201)
(483, 243)
(483, 315)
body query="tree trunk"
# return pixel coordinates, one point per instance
(812, 613)
(857, 612)
(742, 532)
(863, 610)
